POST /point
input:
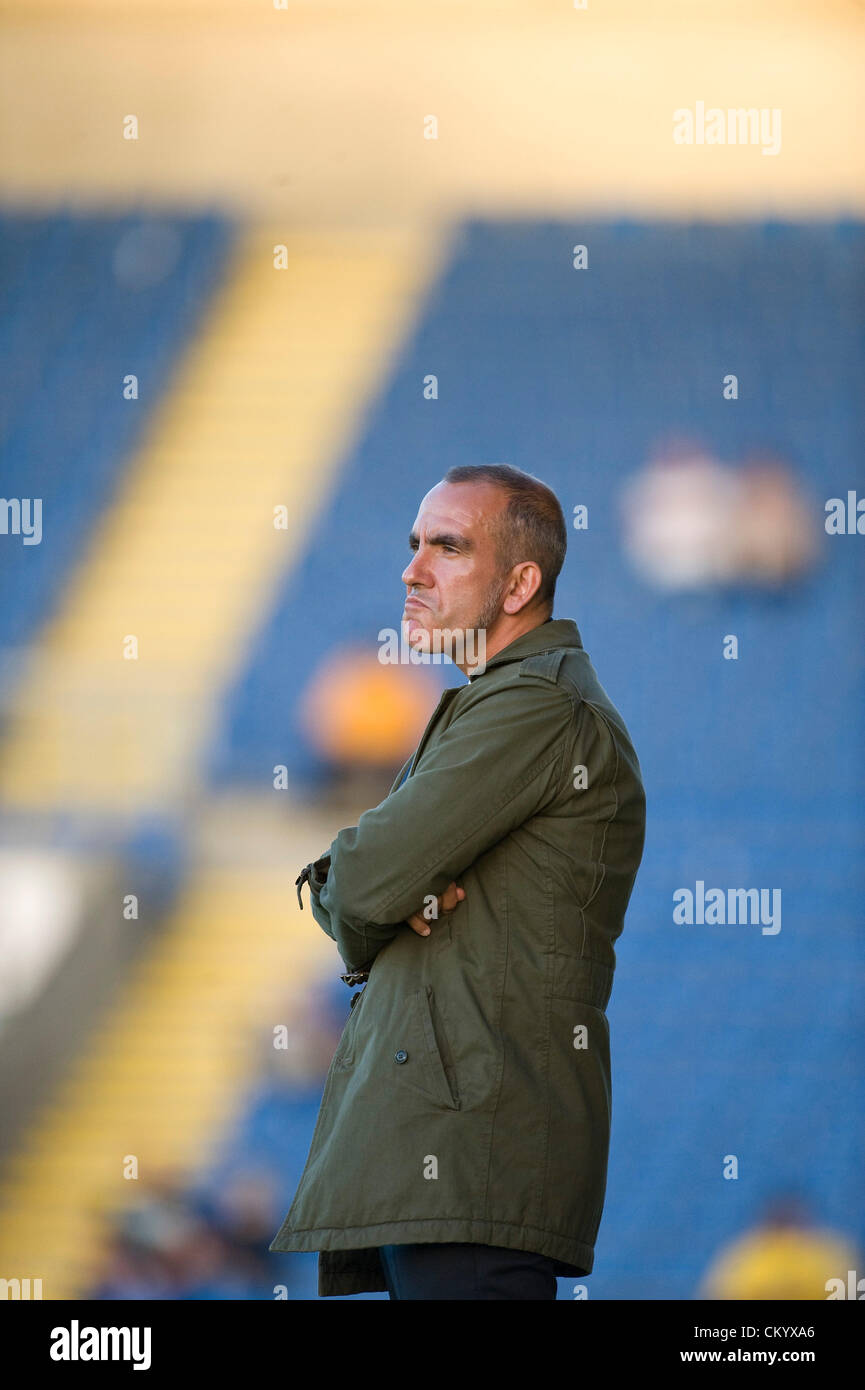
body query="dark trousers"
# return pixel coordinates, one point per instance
(452, 1270)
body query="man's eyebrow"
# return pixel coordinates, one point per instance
(443, 538)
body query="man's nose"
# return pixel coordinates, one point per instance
(414, 571)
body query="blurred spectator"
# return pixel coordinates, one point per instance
(364, 715)
(678, 517)
(785, 1256)
(690, 523)
(245, 1218)
(776, 535)
(174, 1244)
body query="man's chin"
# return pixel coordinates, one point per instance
(416, 633)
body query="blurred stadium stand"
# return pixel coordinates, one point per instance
(86, 300)
(755, 784)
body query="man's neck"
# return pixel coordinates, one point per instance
(499, 638)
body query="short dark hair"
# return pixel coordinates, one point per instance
(530, 527)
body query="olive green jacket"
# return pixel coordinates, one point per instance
(469, 1096)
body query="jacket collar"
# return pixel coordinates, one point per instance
(547, 636)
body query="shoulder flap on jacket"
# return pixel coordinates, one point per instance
(544, 664)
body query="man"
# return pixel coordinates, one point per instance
(461, 1145)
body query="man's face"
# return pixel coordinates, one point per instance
(453, 580)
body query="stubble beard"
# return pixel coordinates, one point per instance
(491, 609)
(427, 640)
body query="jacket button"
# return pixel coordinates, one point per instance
(401, 1056)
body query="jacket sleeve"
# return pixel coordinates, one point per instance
(315, 874)
(490, 771)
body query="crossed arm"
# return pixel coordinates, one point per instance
(488, 772)
(418, 921)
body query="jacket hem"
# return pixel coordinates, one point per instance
(349, 1261)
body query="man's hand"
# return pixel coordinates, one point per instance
(445, 902)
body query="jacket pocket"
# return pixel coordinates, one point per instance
(429, 1073)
